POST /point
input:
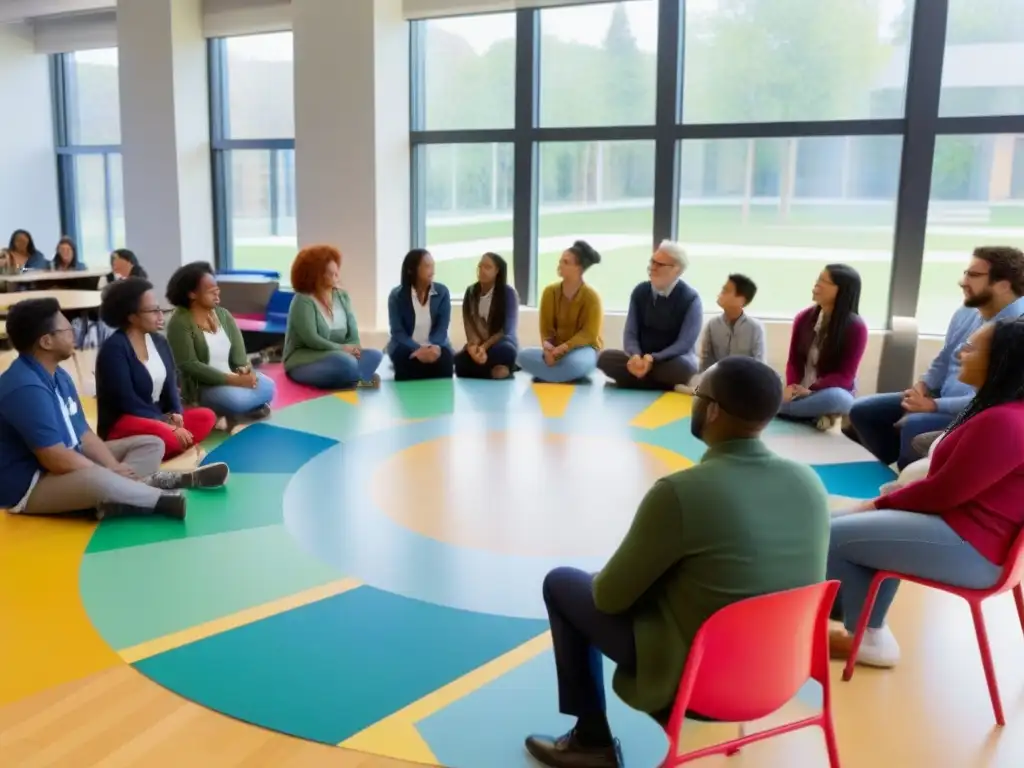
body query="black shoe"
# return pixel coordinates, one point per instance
(567, 752)
(170, 505)
(209, 476)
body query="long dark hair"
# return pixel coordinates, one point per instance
(31, 250)
(845, 311)
(1004, 381)
(496, 317)
(411, 265)
(125, 255)
(57, 263)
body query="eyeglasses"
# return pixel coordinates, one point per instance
(655, 264)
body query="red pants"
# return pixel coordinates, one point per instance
(198, 421)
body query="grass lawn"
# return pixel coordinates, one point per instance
(784, 285)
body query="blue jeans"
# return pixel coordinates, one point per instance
(577, 364)
(226, 400)
(874, 418)
(832, 400)
(338, 370)
(864, 543)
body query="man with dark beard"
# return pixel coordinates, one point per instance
(742, 522)
(887, 424)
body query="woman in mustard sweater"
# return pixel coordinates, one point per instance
(570, 322)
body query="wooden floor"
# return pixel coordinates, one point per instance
(933, 710)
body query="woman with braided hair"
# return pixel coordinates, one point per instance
(955, 526)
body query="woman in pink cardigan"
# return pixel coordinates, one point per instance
(825, 349)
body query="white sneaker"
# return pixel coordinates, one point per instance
(879, 648)
(827, 422)
(684, 389)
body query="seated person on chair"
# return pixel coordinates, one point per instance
(65, 258)
(570, 322)
(825, 350)
(50, 461)
(490, 314)
(125, 264)
(321, 341)
(886, 424)
(21, 254)
(743, 522)
(957, 525)
(419, 314)
(663, 324)
(209, 352)
(136, 383)
(734, 332)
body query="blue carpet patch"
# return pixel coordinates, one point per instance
(266, 449)
(859, 480)
(328, 670)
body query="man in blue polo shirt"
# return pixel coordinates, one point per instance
(887, 424)
(50, 460)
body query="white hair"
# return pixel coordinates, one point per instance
(676, 252)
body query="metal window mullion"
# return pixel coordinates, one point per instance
(924, 86)
(668, 100)
(524, 202)
(108, 213)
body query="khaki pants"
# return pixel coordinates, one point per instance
(87, 488)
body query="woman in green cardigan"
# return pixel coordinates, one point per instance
(321, 341)
(209, 353)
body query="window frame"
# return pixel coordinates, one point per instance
(919, 127)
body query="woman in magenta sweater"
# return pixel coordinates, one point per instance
(825, 349)
(955, 526)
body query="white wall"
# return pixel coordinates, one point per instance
(28, 165)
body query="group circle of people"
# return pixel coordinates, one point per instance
(743, 522)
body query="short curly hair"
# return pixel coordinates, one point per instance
(121, 300)
(1004, 263)
(184, 281)
(310, 265)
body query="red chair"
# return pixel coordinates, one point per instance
(752, 657)
(1013, 572)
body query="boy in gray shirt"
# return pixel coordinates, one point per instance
(733, 332)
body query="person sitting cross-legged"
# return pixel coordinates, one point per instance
(734, 332)
(957, 525)
(663, 323)
(209, 352)
(570, 322)
(419, 313)
(743, 522)
(136, 382)
(51, 462)
(490, 314)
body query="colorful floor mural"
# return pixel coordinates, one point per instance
(370, 576)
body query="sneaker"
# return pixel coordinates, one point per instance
(878, 648)
(372, 383)
(170, 505)
(209, 476)
(685, 389)
(827, 422)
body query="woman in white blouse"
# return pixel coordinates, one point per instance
(209, 352)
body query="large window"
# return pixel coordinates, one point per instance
(88, 136)
(766, 136)
(254, 151)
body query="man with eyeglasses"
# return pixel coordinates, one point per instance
(887, 424)
(741, 523)
(663, 323)
(51, 462)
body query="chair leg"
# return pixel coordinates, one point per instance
(830, 740)
(862, 626)
(743, 732)
(986, 662)
(1018, 597)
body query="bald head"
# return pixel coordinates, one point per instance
(736, 398)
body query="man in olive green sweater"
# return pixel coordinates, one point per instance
(743, 522)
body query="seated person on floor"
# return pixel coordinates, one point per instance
(209, 352)
(50, 461)
(825, 350)
(321, 342)
(136, 383)
(570, 322)
(65, 258)
(956, 526)
(734, 332)
(419, 314)
(887, 423)
(490, 314)
(663, 324)
(743, 522)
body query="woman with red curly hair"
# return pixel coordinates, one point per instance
(321, 341)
